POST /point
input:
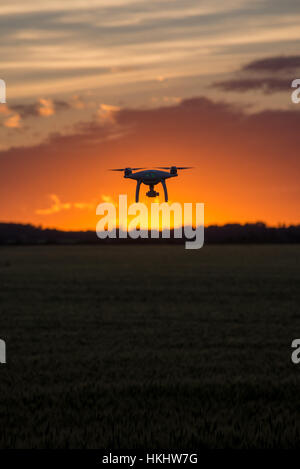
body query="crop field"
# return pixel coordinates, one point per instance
(151, 347)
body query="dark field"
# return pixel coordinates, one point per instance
(149, 347)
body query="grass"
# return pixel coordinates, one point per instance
(149, 347)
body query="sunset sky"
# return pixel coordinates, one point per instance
(99, 84)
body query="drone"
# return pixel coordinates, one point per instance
(150, 178)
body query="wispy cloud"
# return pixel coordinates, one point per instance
(77, 102)
(76, 45)
(13, 122)
(45, 107)
(31, 6)
(58, 206)
(14, 115)
(107, 113)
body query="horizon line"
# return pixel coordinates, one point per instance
(257, 223)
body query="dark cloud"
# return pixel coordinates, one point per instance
(25, 110)
(266, 85)
(61, 105)
(274, 64)
(197, 128)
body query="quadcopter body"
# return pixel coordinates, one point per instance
(151, 177)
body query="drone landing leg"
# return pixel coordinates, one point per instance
(163, 182)
(137, 192)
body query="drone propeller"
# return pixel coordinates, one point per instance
(123, 169)
(177, 167)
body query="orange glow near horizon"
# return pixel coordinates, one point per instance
(66, 199)
(76, 215)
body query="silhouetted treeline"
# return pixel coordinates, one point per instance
(13, 233)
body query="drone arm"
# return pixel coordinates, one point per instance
(163, 182)
(137, 192)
